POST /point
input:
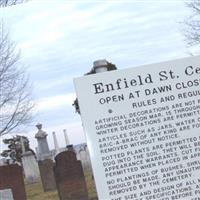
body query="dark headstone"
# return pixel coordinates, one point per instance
(11, 177)
(69, 177)
(47, 175)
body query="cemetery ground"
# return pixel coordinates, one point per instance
(35, 191)
(66, 175)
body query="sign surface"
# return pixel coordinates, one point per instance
(142, 127)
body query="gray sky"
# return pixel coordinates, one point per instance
(59, 40)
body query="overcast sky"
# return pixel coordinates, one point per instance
(59, 40)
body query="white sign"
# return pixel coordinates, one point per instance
(143, 130)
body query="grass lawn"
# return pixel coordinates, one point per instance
(35, 192)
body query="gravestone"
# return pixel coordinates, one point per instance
(6, 194)
(69, 177)
(83, 156)
(143, 137)
(3, 161)
(47, 174)
(11, 177)
(30, 167)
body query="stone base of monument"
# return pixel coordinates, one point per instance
(47, 175)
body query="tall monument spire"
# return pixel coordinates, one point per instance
(55, 142)
(66, 137)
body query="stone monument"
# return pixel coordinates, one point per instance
(45, 161)
(43, 148)
(30, 165)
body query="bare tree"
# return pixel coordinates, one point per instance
(15, 93)
(192, 31)
(4, 3)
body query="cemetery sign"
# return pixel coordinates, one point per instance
(142, 127)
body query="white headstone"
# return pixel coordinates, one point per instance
(3, 161)
(142, 127)
(30, 166)
(83, 156)
(6, 194)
